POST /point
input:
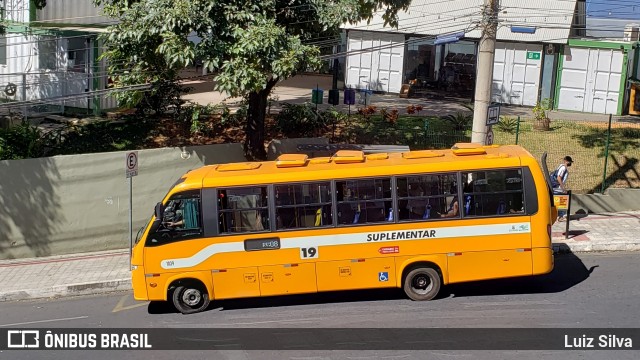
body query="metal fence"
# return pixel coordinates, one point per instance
(605, 155)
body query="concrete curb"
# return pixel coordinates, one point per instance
(88, 288)
(587, 246)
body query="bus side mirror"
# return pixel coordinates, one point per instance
(159, 211)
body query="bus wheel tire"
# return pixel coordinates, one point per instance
(422, 284)
(190, 299)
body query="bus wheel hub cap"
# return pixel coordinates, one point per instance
(191, 297)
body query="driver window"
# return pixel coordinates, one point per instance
(181, 219)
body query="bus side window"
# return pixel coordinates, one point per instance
(362, 201)
(494, 192)
(303, 205)
(243, 210)
(426, 197)
(182, 220)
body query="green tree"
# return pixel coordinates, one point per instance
(250, 44)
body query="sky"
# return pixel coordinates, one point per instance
(620, 9)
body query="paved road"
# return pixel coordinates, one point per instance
(595, 290)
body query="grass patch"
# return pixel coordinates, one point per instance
(586, 144)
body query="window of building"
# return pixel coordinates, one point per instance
(243, 210)
(3, 50)
(426, 197)
(364, 201)
(182, 220)
(494, 192)
(48, 52)
(77, 54)
(303, 205)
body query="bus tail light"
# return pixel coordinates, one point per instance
(549, 230)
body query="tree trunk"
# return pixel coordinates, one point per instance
(254, 148)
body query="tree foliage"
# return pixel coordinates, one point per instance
(249, 44)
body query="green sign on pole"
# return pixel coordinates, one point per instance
(532, 55)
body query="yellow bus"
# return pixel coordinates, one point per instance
(415, 220)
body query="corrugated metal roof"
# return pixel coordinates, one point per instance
(72, 12)
(552, 19)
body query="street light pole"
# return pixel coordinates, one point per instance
(484, 72)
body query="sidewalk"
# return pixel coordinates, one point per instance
(100, 272)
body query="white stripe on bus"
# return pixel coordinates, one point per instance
(354, 238)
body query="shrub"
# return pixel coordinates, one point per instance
(26, 141)
(542, 121)
(300, 120)
(508, 125)
(390, 116)
(367, 111)
(459, 121)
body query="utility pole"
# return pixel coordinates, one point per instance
(484, 72)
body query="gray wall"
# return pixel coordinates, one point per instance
(79, 203)
(614, 200)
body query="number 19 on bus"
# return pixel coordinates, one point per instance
(308, 253)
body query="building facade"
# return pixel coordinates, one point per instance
(49, 58)
(434, 51)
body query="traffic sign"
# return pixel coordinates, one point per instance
(493, 116)
(131, 165)
(489, 140)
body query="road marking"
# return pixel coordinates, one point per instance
(44, 321)
(234, 354)
(269, 322)
(514, 303)
(120, 306)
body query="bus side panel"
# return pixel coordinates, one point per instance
(541, 243)
(288, 279)
(158, 286)
(236, 283)
(356, 274)
(543, 261)
(540, 237)
(439, 260)
(482, 265)
(139, 284)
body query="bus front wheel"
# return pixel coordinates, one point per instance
(422, 283)
(189, 299)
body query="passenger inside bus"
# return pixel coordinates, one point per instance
(417, 205)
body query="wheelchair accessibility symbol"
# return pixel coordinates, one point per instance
(383, 276)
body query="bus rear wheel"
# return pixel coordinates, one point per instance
(189, 299)
(422, 283)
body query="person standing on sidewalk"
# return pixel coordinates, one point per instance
(559, 181)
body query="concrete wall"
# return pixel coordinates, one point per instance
(615, 200)
(78, 203)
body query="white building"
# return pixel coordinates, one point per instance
(52, 54)
(537, 56)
